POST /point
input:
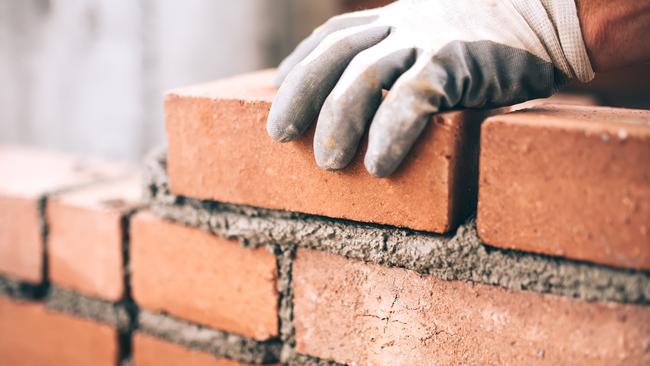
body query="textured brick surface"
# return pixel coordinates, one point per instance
(559, 99)
(203, 278)
(32, 335)
(569, 181)
(219, 149)
(86, 235)
(151, 351)
(25, 176)
(365, 314)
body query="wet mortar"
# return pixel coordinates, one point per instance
(215, 342)
(456, 256)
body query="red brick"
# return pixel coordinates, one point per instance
(21, 245)
(32, 335)
(559, 98)
(366, 314)
(568, 181)
(85, 237)
(25, 176)
(200, 277)
(219, 150)
(151, 351)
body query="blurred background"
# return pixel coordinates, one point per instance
(87, 76)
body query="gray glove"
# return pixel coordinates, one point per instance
(432, 55)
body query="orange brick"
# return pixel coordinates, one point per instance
(366, 314)
(199, 277)
(559, 99)
(152, 351)
(32, 335)
(21, 245)
(219, 150)
(25, 176)
(568, 181)
(86, 234)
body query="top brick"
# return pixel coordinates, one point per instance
(219, 150)
(569, 181)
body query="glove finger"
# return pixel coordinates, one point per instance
(303, 92)
(403, 114)
(355, 98)
(332, 25)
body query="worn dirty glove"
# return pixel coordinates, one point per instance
(433, 55)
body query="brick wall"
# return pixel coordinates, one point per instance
(532, 250)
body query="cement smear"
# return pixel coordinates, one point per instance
(304, 360)
(20, 290)
(99, 310)
(458, 256)
(218, 343)
(284, 256)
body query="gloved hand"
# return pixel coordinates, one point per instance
(432, 55)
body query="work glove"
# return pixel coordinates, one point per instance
(432, 55)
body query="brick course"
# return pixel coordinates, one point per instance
(152, 351)
(366, 314)
(219, 150)
(203, 278)
(26, 175)
(30, 334)
(568, 181)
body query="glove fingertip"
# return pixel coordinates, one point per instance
(377, 166)
(281, 133)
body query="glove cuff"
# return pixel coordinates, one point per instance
(557, 25)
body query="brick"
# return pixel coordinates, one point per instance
(366, 314)
(203, 278)
(21, 245)
(219, 150)
(561, 99)
(26, 175)
(85, 237)
(568, 181)
(30, 334)
(152, 351)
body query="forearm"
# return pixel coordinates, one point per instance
(616, 33)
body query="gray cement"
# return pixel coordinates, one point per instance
(20, 290)
(304, 360)
(458, 256)
(284, 256)
(218, 343)
(79, 305)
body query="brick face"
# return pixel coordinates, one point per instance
(21, 244)
(365, 314)
(568, 181)
(219, 149)
(32, 335)
(203, 278)
(25, 176)
(86, 234)
(151, 351)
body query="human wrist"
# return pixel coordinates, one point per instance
(592, 24)
(615, 32)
